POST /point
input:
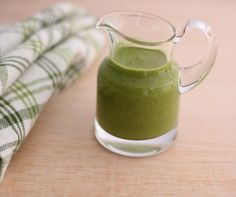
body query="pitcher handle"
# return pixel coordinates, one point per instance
(191, 76)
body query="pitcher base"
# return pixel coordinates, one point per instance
(135, 148)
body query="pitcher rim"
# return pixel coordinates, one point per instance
(137, 13)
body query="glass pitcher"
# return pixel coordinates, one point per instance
(139, 83)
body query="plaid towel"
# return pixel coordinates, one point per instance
(14, 63)
(54, 58)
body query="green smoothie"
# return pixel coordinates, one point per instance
(137, 94)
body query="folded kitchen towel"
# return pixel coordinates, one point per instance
(37, 69)
(14, 63)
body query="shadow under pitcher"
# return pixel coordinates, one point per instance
(139, 84)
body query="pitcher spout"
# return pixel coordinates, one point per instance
(103, 23)
(112, 25)
(139, 28)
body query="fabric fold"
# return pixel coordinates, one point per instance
(19, 59)
(40, 67)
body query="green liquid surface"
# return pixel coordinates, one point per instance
(137, 94)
